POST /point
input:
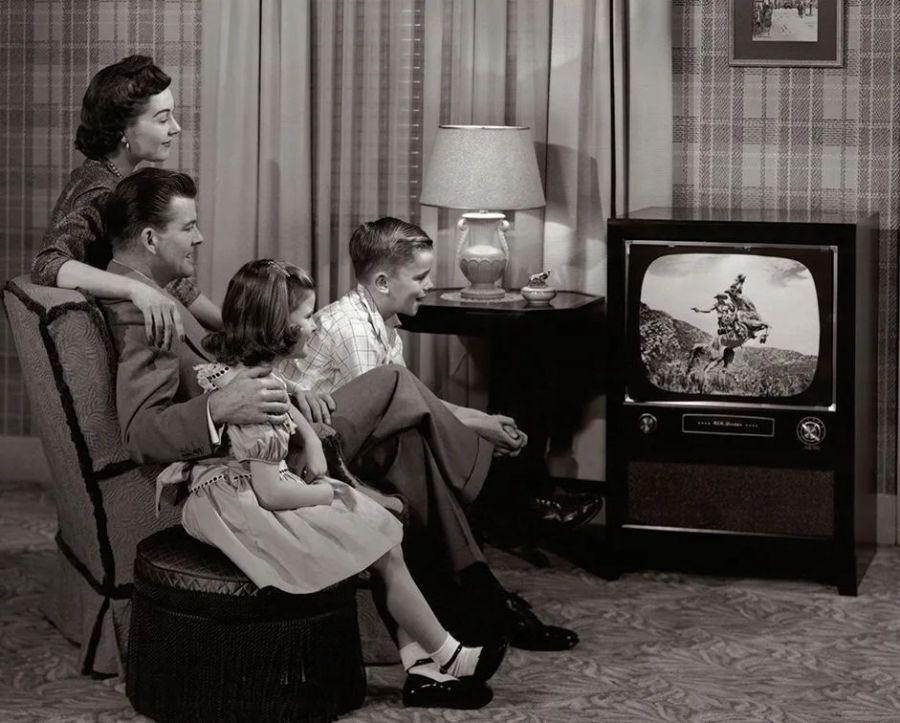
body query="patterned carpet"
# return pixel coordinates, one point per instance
(655, 646)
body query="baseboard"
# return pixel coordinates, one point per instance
(22, 459)
(886, 525)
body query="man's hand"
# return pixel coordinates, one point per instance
(315, 406)
(254, 396)
(162, 322)
(499, 430)
(518, 437)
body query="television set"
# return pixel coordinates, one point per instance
(741, 411)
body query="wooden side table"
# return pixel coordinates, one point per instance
(546, 362)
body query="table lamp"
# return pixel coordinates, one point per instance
(483, 169)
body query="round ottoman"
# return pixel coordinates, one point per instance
(206, 644)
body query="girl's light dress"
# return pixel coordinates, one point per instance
(302, 550)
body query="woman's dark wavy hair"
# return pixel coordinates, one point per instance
(255, 325)
(117, 94)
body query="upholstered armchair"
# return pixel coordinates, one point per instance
(104, 501)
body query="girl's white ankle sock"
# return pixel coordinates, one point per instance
(456, 659)
(416, 661)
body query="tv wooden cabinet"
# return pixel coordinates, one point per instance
(742, 404)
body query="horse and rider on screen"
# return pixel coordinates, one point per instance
(738, 322)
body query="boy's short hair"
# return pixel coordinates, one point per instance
(256, 326)
(142, 199)
(386, 243)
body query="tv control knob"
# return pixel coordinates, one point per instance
(811, 430)
(647, 423)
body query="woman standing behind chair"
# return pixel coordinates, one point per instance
(127, 116)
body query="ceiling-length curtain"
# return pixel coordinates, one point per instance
(609, 131)
(320, 114)
(609, 150)
(366, 124)
(309, 126)
(255, 183)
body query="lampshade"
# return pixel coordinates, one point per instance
(483, 167)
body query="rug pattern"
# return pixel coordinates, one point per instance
(655, 646)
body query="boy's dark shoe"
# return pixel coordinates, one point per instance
(484, 609)
(527, 632)
(568, 510)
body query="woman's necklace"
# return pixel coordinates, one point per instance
(112, 167)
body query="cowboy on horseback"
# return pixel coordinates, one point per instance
(726, 312)
(746, 310)
(731, 331)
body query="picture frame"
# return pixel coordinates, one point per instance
(779, 33)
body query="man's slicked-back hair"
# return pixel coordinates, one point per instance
(117, 94)
(387, 243)
(142, 199)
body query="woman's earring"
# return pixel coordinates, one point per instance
(127, 144)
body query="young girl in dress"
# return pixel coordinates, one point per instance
(302, 535)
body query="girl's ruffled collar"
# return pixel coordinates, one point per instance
(213, 376)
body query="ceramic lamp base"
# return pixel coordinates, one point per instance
(483, 254)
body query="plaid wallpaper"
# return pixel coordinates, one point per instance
(825, 139)
(48, 52)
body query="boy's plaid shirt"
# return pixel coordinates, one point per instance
(350, 340)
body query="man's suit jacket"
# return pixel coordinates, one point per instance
(162, 410)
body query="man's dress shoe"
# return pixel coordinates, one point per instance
(569, 510)
(465, 693)
(527, 632)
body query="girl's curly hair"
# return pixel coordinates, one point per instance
(255, 324)
(117, 94)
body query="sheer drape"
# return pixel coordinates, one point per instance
(319, 114)
(255, 191)
(310, 122)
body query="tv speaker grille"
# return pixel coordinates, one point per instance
(777, 501)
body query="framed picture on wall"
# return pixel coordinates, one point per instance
(787, 32)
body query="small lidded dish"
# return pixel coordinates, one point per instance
(538, 292)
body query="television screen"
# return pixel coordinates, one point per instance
(729, 321)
